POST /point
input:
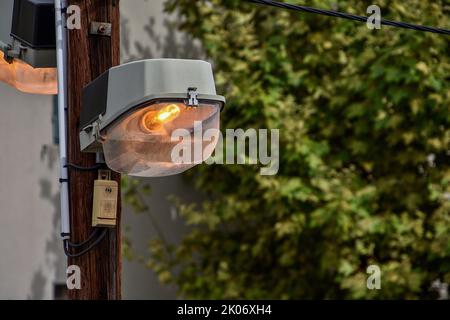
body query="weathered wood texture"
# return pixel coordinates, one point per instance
(89, 56)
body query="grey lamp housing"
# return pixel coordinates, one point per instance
(130, 112)
(27, 31)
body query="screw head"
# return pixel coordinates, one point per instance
(101, 28)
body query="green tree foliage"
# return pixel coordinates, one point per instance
(364, 155)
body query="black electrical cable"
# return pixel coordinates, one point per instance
(80, 168)
(82, 244)
(332, 13)
(88, 249)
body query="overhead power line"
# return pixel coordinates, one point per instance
(342, 15)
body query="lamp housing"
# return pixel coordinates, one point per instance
(28, 45)
(132, 112)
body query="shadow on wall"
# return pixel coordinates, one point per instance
(171, 45)
(37, 286)
(53, 248)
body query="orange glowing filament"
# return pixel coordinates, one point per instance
(168, 113)
(152, 120)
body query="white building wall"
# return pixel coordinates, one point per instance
(31, 258)
(28, 197)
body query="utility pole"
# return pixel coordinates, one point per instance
(89, 55)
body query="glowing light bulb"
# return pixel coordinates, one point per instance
(168, 113)
(152, 120)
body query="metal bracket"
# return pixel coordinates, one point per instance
(4, 47)
(101, 29)
(104, 174)
(94, 129)
(193, 97)
(9, 53)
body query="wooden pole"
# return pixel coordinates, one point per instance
(88, 57)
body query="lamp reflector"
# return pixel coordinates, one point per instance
(27, 79)
(162, 139)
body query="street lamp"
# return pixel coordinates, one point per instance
(27, 45)
(137, 114)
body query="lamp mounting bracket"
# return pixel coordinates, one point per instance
(193, 97)
(9, 53)
(101, 29)
(94, 128)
